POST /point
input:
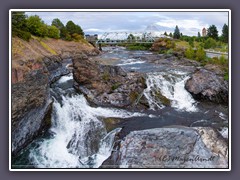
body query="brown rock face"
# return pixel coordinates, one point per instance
(162, 44)
(108, 85)
(35, 65)
(206, 85)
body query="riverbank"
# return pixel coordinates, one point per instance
(35, 65)
(83, 120)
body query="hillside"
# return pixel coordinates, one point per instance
(37, 48)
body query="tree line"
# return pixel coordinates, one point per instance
(212, 33)
(24, 26)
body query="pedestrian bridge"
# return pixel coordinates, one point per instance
(127, 37)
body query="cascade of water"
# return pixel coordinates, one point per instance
(168, 87)
(78, 134)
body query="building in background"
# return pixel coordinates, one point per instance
(204, 32)
(91, 38)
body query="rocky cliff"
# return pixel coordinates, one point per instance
(35, 65)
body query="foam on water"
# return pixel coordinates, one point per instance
(64, 79)
(224, 132)
(131, 63)
(76, 128)
(171, 86)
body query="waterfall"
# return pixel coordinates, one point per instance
(167, 88)
(79, 137)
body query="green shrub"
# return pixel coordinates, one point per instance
(53, 32)
(77, 37)
(106, 76)
(22, 34)
(226, 76)
(189, 53)
(138, 46)
(115, 86)
(210, 43)
(163, 99)
(200, 54)
(133, 96)
(68, 37)
(170, 51)
(223, 60)
(162, 51)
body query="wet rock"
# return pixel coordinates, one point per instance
(107, 85)
(56, 66)
(206, 85)
(173, 147)
(31, 98)
(30, 102)
(86, 144)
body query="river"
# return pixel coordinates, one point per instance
(78, 137)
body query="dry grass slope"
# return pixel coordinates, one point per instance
(38, 48)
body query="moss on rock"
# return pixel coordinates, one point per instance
(165, 101)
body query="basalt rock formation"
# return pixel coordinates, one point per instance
(34, 68)
(107, 85)
(171, 147)
(207, 85)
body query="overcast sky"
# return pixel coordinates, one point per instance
(189, 23)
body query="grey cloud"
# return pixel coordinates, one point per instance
(136, 21)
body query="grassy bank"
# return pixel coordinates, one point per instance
(138, 46)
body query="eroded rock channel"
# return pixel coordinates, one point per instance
(124, 109)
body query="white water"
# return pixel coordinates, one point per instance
(64, 79)
(171, 86)
(224, 132)
(131, 62)
(77, 128)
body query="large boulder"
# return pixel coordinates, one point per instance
(163, 44)
(107, 85)
(172, 147)
(207, 85)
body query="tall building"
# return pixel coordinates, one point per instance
(204, 32)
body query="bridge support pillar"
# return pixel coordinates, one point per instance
(100, 47)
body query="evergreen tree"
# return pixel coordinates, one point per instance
(176, 33)
(199, 35)
(63, 31)
(212, 32)
(73, 28)
(19, 25)
(57, 23)
(165, 33)
(170, 34)
(225, 33)
(19, 20)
